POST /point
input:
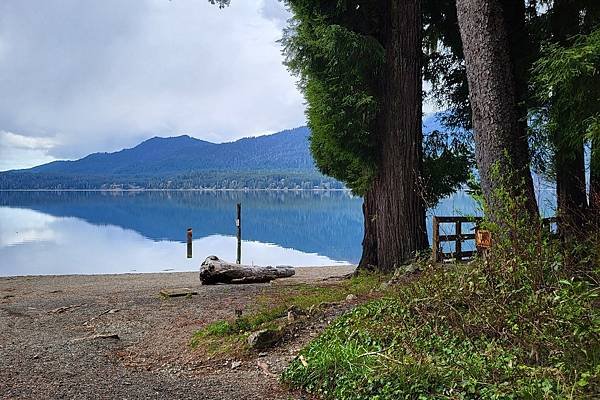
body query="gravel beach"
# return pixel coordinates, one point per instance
(115, 337)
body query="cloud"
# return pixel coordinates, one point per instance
(79, 77)
(17, 141)
(19, 151)
(275, 11)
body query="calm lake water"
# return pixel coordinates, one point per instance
(118, 232)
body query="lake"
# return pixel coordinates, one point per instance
(70, 232)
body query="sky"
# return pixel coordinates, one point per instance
(82, 76)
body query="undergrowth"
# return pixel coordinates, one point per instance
(227, 336)
(523, 324)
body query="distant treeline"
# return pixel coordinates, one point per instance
(280, 179)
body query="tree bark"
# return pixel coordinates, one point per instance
(522, 55)
(569, 159)
(400, 210)
(368, 260)
(501, 148)
(214, 270)
(570, 188)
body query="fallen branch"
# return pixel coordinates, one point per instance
(61, 310)
(214, 270)
(99, 336)
(111, 311)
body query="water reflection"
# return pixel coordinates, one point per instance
(108, 232)
(112, 232)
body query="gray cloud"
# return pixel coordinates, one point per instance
(101, 75)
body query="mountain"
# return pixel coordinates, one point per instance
(278, 161)
(281, 160)
(173, 155)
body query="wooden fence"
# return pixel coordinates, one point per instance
(458, 238)
(461, 236)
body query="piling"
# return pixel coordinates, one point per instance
(238, 224)
(189, 243)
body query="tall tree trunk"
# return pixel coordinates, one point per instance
(368, 260)
(401, 230)
(522, 55)
(570, 187)
(595, 181)
(500, 135)
(569, 160)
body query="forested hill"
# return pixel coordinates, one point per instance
(280, 160)
(173, 155)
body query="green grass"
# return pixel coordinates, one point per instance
(463, 332)
(226, 336)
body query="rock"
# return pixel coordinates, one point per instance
(235, 364)
(350, 297)
(402, 273)
(263, 338)
(291, 316)
(265, 368)
(303, 361)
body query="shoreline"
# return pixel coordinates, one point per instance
(176, 190)
(156, 273)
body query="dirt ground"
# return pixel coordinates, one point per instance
(51, 343)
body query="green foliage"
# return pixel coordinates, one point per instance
(522, 324)
(261, 179)
(338, 69)
(336, 51)
(567, 84)
(447, 164)
(444, 67)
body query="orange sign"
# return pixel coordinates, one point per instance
(483, 238)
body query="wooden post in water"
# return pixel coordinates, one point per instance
(238, 224)
(189, 243)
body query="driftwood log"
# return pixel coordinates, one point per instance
(214, 270)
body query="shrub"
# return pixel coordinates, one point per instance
(521, 324)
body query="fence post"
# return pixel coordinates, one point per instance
(458, 243)
(435, 248)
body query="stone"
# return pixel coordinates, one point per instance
(291, 316)
(350, 297)
(235, 364)
(263, 338)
